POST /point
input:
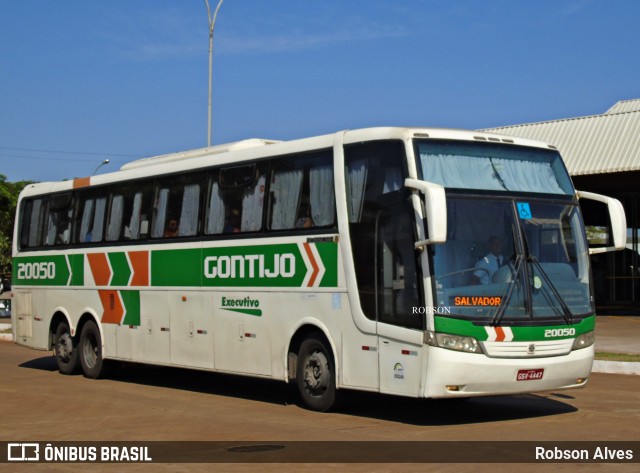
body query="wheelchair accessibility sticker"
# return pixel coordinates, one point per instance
(524, 210)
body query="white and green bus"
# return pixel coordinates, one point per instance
(420, 262)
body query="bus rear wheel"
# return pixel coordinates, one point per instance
(315, 374)
(90, 351)
(65, 350)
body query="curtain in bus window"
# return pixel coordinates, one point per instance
(252, 207)
(527, 176)
(322, 197)
(87, 215)
(160, 214)
(51, 229)
(98, 219)
(392, 180)
(356, 179)
(189, 213)
(58, 227)
(286, 188)
(462, 172)
(115, 218)
(133, 230)
(34, 223)
(215, 220)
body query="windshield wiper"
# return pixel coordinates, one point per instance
(507, 293)
(566, 312)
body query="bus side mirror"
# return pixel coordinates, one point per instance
(617, 218)
(435, 204)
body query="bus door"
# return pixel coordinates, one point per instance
(382, 230)
(399, 306)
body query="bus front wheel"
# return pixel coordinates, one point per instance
(315, 375)
(65, 349)
(90, 350)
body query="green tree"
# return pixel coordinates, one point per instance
(9, 192)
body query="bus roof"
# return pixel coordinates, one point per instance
(257, 148)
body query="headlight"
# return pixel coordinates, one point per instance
(583, 341)
(453, 342)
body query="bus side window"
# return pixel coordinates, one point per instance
(252, 203)
(301, 192)
(284, 195)
(177, 208)
(321, 196)
(215, 214)
(59, 217)
(236, 200)
(89, 223)
(129, 212)
(32, 229)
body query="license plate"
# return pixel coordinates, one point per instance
(530, 375)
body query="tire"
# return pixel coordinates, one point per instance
(65, 350)
(315, 374)
(90, 351)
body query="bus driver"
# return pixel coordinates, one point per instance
(489, 264)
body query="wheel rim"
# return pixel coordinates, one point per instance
(64, 347)
(90, 351)
(317, 374)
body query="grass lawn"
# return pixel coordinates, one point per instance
(617, 357)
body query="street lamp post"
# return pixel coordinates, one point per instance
(212, 24)
(106, 161)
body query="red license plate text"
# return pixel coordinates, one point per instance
(530, 375)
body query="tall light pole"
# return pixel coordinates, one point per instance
(106, 161)
(212, 24)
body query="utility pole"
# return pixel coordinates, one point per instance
(212, 24)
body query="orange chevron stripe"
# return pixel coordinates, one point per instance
(314, 264)
(100, 268)
(140, 267)
(113, 311)
(500, 335)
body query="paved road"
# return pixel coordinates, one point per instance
(152, 403)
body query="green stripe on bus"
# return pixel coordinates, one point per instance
(520, 334)
(77, 269)
(277, 265)
(131, 301)
(120, 268)
(41, 271)
(254, 312)
(176, 268)
(328, 252)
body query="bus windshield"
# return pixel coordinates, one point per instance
(507, 259)
(492, 167)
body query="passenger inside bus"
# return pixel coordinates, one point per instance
(172, 228)
(232, 224)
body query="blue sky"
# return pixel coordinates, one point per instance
(81, 81)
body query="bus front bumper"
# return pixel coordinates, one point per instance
(457, 374)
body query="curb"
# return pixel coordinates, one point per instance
(616, 367)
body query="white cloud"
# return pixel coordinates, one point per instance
(305, 41)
